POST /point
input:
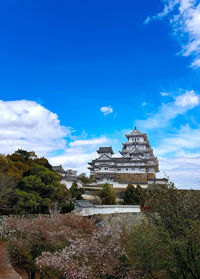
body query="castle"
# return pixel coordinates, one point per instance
(136, 165)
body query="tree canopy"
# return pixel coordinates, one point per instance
(167, 245)
(76, 192)
(37, 188)
(134, 195)
(107, 194)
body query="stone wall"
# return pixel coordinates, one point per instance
(127, 219)
(133, 178)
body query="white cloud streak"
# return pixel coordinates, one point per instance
(179, 156)
(79, 153)
(184, 19)
(106, 110)
(164, 94)
(94, 141)
(28, 125)
(169, 111)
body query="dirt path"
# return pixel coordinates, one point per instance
(6, 270)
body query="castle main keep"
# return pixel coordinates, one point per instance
(136, 165)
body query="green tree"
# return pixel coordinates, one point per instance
(83, 177)
(107, 194)
(76, 192)
(171, 239)
(25, 154)
(7, 185)
(134, 195)
(38, 188)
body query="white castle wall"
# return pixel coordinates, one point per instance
(109, 209)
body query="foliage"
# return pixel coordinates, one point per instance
(170, 242)
(76, 192)
(7, 185)
(29, 237)
(67, 207)
(107, 194)
(83, 177)
(134, 195)
(37, 187)
(8, 168)
(99, 255)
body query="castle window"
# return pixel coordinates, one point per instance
(105, 168)
(118, 169)
(127, 169)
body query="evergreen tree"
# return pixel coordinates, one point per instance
(134, 195)
(107, 194)
(76, 192)
(37, 187)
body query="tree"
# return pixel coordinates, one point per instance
(7, 185)
(29, 237)
(25, 154)
(170, 242)
(134, 195)
(37, 187)
(99, 255)
(107, 194)
(8, 168)
(76, 192)
(83, 177)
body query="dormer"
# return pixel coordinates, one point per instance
(105, 151)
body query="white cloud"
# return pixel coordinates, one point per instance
(94, 141)
(79, 153)
(164, 93)
(169, 111)
(143, 104)
(106, 110)
(184, 18)
(168, 7)
(189, 99)
(196, 63)
(179, 156)
(182, 170)
(28, 125)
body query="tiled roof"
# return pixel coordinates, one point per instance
(135, 133)
(58, 169)
(83, 203)
(105, 150)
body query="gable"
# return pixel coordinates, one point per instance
(104, 157)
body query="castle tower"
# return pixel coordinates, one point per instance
(137, 164)
(139, 151)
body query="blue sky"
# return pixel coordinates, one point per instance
(75, 75)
